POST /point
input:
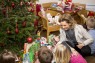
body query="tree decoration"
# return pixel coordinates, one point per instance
(16, 22)
(16, 30)
(24, 23)
(13, 5)
(29, 39)
(33, 49)
(4, 11)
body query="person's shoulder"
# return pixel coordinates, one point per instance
(77, 58)
(77, 25)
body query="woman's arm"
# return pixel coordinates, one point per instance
(86, 35)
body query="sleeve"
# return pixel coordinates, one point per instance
(62, 36)
(86, 35)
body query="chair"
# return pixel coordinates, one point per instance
(83, 15)
(84, 12)
(45, 24)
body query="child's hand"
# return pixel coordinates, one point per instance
(74, 52)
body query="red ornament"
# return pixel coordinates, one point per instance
(13, 5)
(24, 23)
(91, 13)
(16, 30)
(4, 11)
(29, 39)
(35, 23)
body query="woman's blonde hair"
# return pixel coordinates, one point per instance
(62, 54)
(69, 18)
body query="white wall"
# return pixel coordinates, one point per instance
(85, 1)
(75, 1)
(46, 1)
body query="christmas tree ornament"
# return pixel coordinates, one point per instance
(29, 39)
(24, 23)
(35, 23)
(16, 30)
(13, 5)
(4, 11)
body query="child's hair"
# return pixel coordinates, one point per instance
(45, 55)
(90, 22)
(62, 54)
(7, 57)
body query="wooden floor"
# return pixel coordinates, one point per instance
(89, 59)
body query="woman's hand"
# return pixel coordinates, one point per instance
(80, 45)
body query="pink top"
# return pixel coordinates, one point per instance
(77, 59)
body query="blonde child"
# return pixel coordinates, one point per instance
(64, 54)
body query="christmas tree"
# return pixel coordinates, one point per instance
(16, 22)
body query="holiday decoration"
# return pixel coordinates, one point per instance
(16, 23)
(29, 39)
(13, 5)
(91, 13)
(16, 30)
(24, 23)
(32, 51)
(35, 23)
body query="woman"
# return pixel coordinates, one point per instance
(64, 54)
(77, 36)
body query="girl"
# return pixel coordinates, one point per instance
(65, 54)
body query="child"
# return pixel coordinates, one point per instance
(44, 55)
(7, 57)
(90, 26)
(65, 54)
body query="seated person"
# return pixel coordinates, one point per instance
(77, 36)
(64, 54)
(7, 57)
(90, 26)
